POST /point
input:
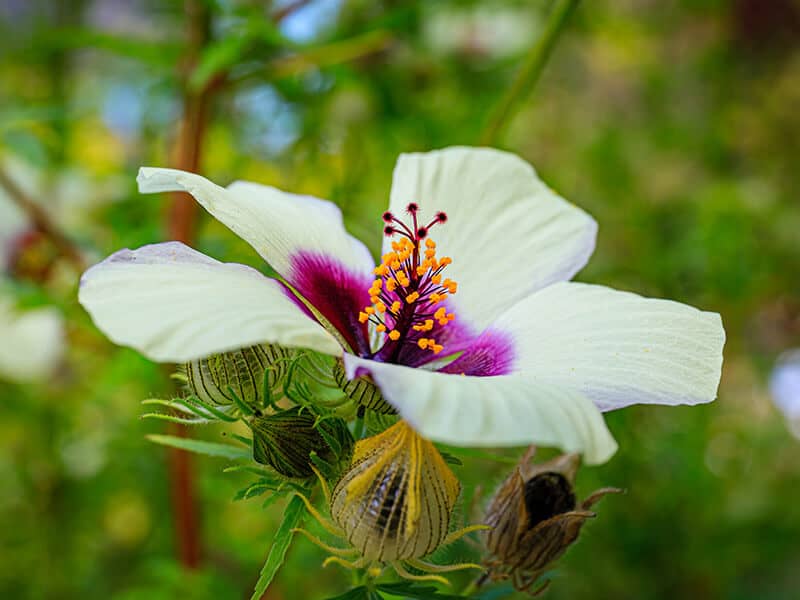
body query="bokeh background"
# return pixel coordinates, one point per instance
(676, 124)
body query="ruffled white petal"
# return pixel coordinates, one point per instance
(490, 411)
(32, 342)
(277, 224)
(615, 347)
(174, 304)
(507, 232)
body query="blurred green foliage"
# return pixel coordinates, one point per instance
(675, 124)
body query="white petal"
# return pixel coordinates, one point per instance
(32, 342)
(507, 232)
(174, 304)
(490, 411)
(784, 384)
(278, 225)
(615, 347)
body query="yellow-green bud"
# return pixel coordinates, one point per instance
(397, 497)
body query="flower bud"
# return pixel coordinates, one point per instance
(396, 499)
(285, 441)
(217, 378)
(534, 518)
(362, 391)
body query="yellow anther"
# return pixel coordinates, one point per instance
(450, 316)
(394, 335)
(430, 253)
(374, 299)
(395, 246)
(436, 298)
(440, 313)
(363, 317)
(381, 327)
(430, 243)
(421, 270)
(412, 297)
(381, 270)
(380, 307)
(391, 285)
(395, 264)
(437, 348)
(422, 343)
(443, 322)
(396, 306)
(369, 310)
(445, 260)
(377, 284)
(437, 279)
(428, 324)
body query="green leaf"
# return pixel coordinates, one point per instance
(409, 589)
(280, 544)
(359, 593)
(450, 459)
(201, 447)
(155, 53)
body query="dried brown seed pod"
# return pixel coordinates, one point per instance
(534, 517)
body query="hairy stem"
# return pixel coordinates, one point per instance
(181, 223)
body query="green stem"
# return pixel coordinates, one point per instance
(530, 71)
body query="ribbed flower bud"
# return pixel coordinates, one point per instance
(397, 497)
(362, 391)
(241, 371)
(534, 517)
(285, 441)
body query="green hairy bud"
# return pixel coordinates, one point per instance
(216, 379)
(362, 391)
(285, 441)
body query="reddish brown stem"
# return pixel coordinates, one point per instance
(181, 224)
(41, 221)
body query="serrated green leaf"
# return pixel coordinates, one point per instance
(280, 544)
(200, 446)
(409, 589)
(359, 593)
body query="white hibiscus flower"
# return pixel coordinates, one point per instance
(32, 342)
(518, 355)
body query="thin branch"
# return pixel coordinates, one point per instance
(280, 14)
(530, 71)
(42, 221)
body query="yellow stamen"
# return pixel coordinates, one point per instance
(363, 317)
(381, 327)
(394, 335)
(412, 297)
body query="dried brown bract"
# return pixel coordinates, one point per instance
(534, 517)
